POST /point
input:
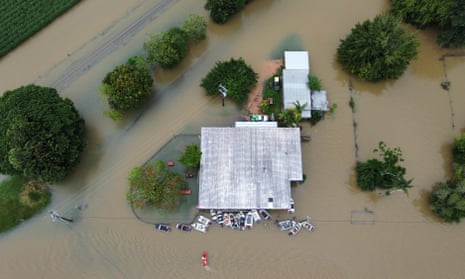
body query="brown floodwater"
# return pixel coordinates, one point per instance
(403, 239)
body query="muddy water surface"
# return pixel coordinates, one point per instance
(413, 113)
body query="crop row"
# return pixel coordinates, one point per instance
(21, 19)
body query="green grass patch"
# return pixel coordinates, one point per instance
(20, 19)
(20, 200)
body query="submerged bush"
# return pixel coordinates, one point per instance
(378, 50)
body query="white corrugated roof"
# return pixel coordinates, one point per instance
(242, 168)
(295, 89)
(296, 60)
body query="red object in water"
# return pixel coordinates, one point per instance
(186, 192)
(170, 163)
(204, 259)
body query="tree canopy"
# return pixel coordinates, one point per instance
(447, 200)
(195, 27)
(41, 134)
(236, 77)
(448, 15)
(128, 85)
(191, 156)
(222, 10)
(167, 48)
(378, 50)
(154, 184)
(385, 173)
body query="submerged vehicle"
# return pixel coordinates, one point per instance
(249, 220)
(184, 227)
(296, 227)
(204, 220)
(265, 214)
(307, 225)
(200, 227)
(256, 216)
(285, 225)
(163, 227)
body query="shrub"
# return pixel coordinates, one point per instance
(235, 75)
(127, 87)
(378, 50)
(195, 27)
(222, 10)
(385, 173)
(168, 48)
(154, 184)
(314, 83)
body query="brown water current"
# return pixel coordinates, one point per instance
(107, 241)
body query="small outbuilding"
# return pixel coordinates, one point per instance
(295, 79)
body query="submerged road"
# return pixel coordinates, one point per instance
(108, 45)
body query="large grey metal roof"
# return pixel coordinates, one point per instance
(245, 168)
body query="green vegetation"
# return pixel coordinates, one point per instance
(291, 117)
(459, 149)
(127, 87)
(448, 15)
(222, 10)
(235, 75)
(191, 156)
(20, 201)
(385, 173)
(195, 27)
(41, 134)
(378, 50)
(154, 185)
(314, 83)
(21, 19)
(167, 49)
(447, 200)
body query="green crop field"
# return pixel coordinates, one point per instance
(20, 19)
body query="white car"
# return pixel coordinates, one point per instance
(256, 216)
(200, 227)
(204, 220)
(249, 220)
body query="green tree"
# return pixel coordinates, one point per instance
(290, 117)
(448, 15)
(378, 50)
(421, 13)
(235, 75)
(447, 200)
(41, 134)
(168, 48)
(191, 156)
(195, 27)
(459, 149)
(127, 86)
(154, 184)
(314, 83)
(385, 173)
(222, 10)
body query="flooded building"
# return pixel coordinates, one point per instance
(248, 167)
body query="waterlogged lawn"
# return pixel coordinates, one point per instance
(20, 200)
(20, 19)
